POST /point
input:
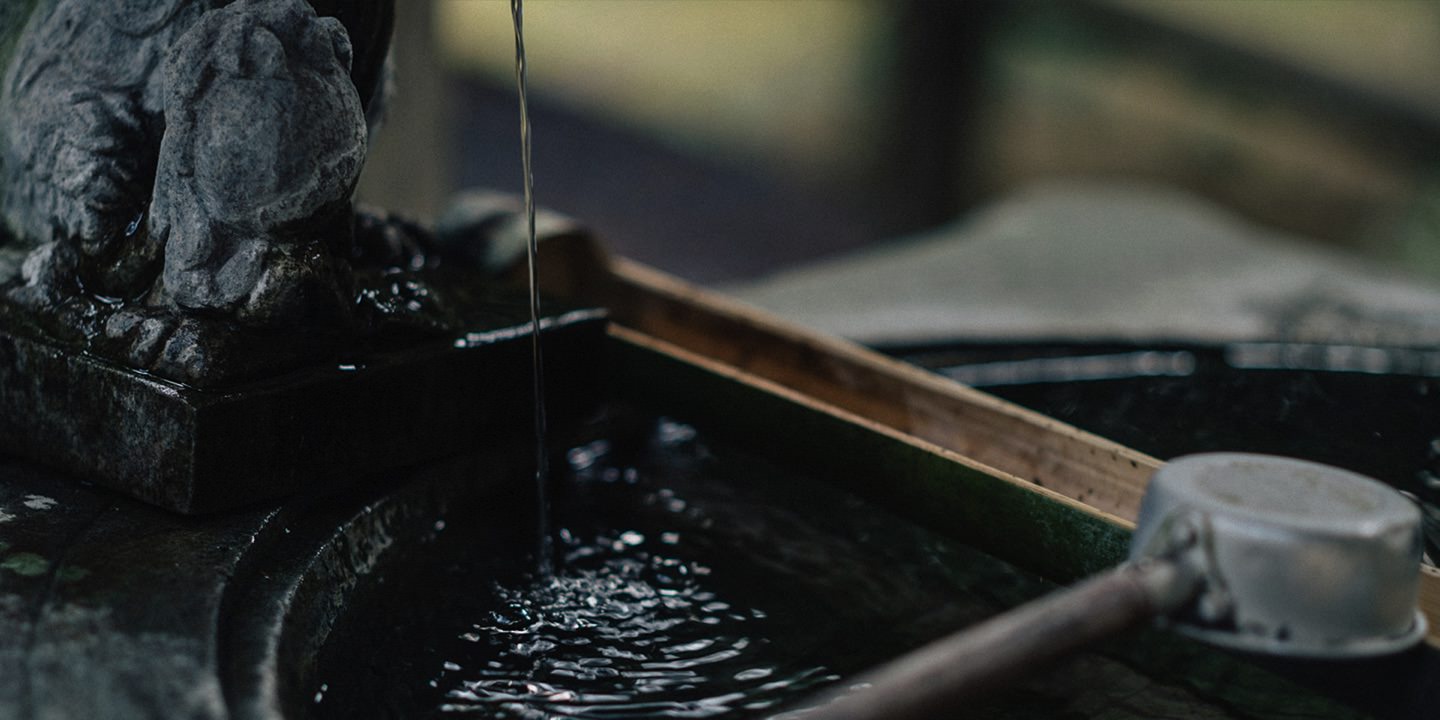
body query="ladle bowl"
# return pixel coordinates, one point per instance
(1296, 558)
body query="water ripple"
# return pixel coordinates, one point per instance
(627, 628)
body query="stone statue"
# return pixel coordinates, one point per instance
(176, 181)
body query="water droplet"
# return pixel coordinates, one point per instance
(134, 226)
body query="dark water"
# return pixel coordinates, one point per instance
(697, 580)
(631, 627)
(686, 585)
(643, 617)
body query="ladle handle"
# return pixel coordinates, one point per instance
(937, 679)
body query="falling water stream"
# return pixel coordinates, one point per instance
(543, 550)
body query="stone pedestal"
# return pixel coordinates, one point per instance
(196, 450)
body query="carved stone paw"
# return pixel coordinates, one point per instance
(299, 285)
(190, 349)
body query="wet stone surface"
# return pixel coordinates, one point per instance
(105, 604)
(198, 450)
(111, 608)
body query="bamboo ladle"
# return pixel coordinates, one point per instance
(1252, 552)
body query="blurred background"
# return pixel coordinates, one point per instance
(1183, 225)
(727, 139)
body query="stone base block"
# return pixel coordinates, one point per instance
(197, 450)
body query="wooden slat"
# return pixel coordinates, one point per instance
(1022, 443)
(1017, 442)
(1033, 527)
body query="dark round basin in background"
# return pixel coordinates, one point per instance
(1373, 410)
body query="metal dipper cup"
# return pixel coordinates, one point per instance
(1253, 552)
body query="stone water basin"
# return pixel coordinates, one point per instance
(701, 578)
(760, 548)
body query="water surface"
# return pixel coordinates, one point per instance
(696, 580)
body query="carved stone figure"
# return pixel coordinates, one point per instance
(175, 174)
